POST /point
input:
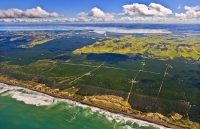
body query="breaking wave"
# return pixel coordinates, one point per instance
(39, 99)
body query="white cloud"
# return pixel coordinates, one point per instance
(135, 19)
(192, 12)
(96, 15)
(138, 13)
(143, 19)
(108, 17)
(159, 10)
(37, 12)
(82, 14)
(180, 15)
(135, 9)
(96, 12)
(140, 9)
(197, 7)
(11, 13)
(179, 7)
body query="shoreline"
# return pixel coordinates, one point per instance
(141, 117)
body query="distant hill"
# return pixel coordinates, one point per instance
(152, 46)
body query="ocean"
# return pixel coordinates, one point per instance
(21, 108)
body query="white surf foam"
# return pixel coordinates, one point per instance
(122, 118)
(26, 95)
(3, 90)
(40, 99)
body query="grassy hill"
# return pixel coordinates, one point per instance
(153, 46)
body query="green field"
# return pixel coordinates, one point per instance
(153, 46)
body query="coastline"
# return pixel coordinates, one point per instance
(138, 116)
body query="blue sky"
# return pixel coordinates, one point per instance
(70, 8)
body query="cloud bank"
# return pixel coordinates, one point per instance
(99, 30)
(37, 12)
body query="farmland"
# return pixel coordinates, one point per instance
(160, 70)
